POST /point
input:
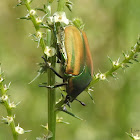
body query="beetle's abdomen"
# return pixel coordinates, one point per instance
(75, 50)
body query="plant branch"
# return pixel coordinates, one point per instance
(116, 64)
(4, 99)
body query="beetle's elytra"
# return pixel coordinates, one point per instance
(78, 66)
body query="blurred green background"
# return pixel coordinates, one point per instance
(112, 26)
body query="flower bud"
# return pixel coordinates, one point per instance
(4, 98)
(102, 76)
(49, 51)
(32, 12)
(38, 20)
(116, 63)
(39, 34)
(19, 130)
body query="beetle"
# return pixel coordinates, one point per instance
(78, 70)
(76, 62)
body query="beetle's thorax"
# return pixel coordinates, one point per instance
(61, 45)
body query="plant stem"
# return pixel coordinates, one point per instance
(32, 17)
(51, 103)
(36, 25)
(61, 4)
(9, 112)
(51, 81)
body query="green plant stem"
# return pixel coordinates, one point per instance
(36, 25)
(51, 80)
(122, 64)
(61, 5)
(51, 103)
(32, 17)
(51, 92)
(9, 112)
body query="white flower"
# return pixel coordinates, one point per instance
(126, 56)
(4, 98)
(102, 76)
(38, 20)
(116, 63)
(19, 130)
(8, 120)
(39, 34)
(97, 75)
(133, 50)
(60, 17)
(32, 12)
(49, 51)
(13, 105)
(6, 87)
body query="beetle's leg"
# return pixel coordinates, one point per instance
(54, 86)
(82, 103)
(56, 72)
(68, 104)
(67, 101)
(52, 68)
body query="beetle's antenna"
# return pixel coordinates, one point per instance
(82, 103)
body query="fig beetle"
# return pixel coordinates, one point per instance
(78, 66)
(76, 62)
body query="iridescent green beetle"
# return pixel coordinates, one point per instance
(76, 62)
(77, 66)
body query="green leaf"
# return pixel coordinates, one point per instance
(69, 5)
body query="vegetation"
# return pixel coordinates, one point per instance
(111, 27)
